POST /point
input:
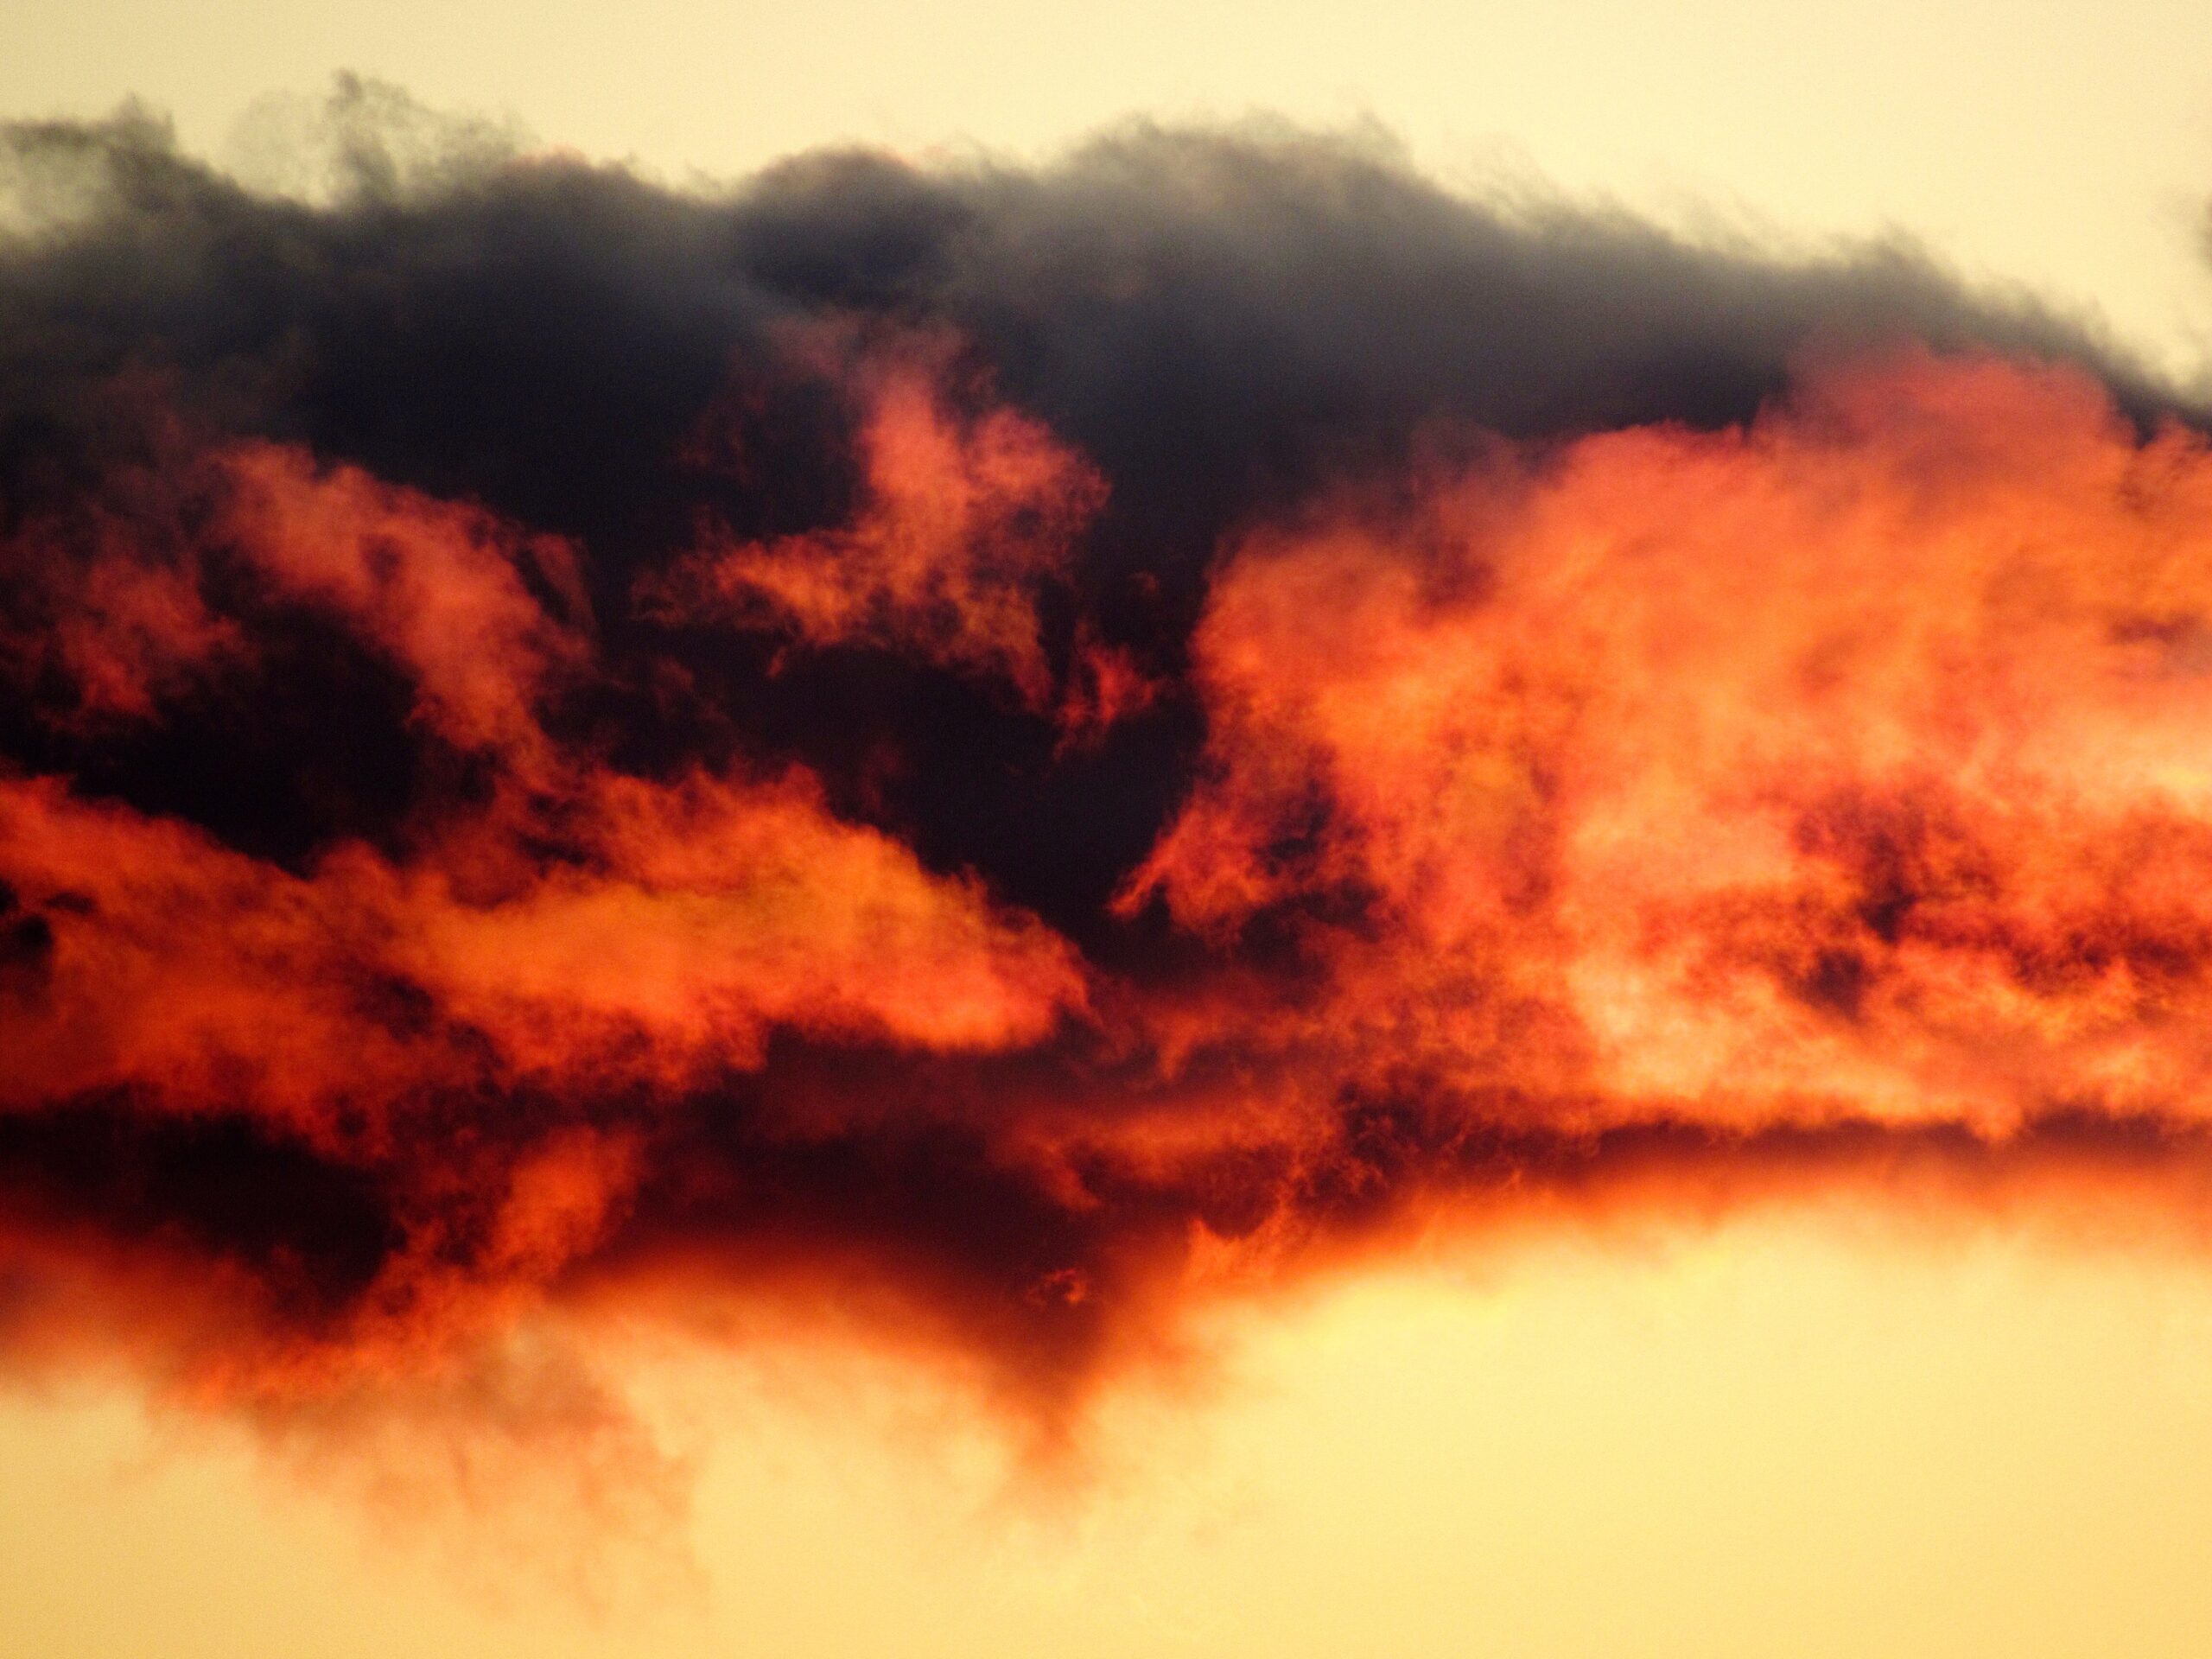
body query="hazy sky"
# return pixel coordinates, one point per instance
(1799, 1438)
(1809, 1437)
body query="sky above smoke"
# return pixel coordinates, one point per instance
(984, 756)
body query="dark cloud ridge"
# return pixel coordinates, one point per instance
(1222, 320)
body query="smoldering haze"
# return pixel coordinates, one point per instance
(1002, 749)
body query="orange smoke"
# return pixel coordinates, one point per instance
(961, 518)
(1687, 816)
(681, 924)
(1851, 766)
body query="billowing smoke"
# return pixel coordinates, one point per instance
(994, 751)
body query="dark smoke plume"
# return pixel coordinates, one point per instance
(999, 749)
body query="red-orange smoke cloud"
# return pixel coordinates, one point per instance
(1851, 765)
(927, 832)
(962, 521)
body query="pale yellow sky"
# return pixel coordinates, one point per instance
(1791, 1437)
(2060, 143)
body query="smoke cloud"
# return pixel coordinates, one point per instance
(998, 751)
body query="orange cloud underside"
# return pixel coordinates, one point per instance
(1852, 765)
(1686, 815)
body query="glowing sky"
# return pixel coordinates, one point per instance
(1194, 899)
